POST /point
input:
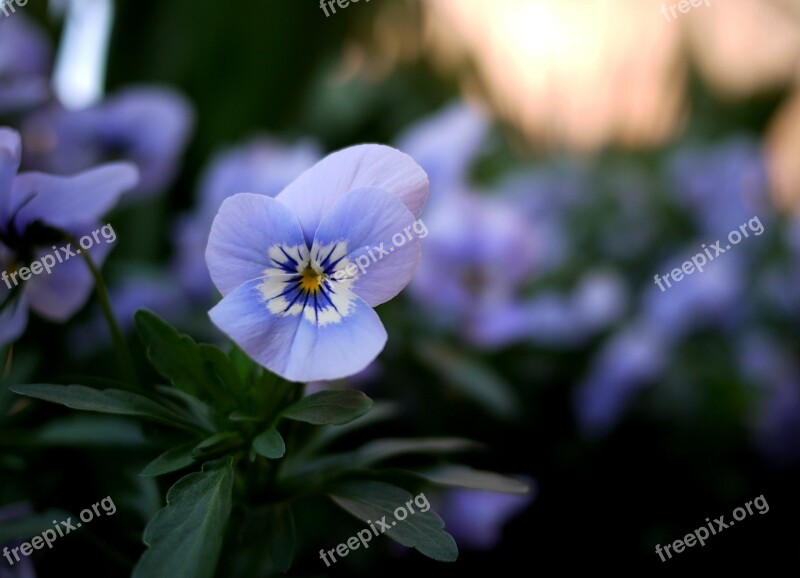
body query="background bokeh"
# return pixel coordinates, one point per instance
(576, 149)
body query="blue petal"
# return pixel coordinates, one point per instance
(313, 194)
(10, 152)
(293, 345)
(247, 227)
(62, 293)
(381, 257)
(66, 202)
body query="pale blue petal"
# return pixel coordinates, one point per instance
(65, 202)
(245, 229)
(315, 192)
(292, 345)
(383, 247)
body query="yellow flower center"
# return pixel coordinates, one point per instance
(310, 280)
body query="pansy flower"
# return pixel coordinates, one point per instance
(293, 297)
(36, 210)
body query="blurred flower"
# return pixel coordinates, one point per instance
(293, 298)
(724, 186)
(35, 211)
(632, 358)
(476, 519)
(25, 60)
(551, 319)
(23, 568)
(147, 125)
(445, 144)
(767, 363)
(262, 166)
(714, 297)
(478, 254)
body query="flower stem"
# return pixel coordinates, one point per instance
(120, 346)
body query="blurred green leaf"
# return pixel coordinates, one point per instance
(474, 379)
(458, 476)
(113, 401)
(172, 460)
(281, 536)
(373, 501)
(270, 444)
(185, 538)
(86, 431)
(369, 455)
(329, 407)
(384, 449)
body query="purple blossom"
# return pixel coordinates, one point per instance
(631, 359)
(35, 210)
(147, 125)
(723, 186)
(293, 298)
(480, 254)
(553, 319)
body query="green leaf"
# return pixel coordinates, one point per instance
(384, 449)
(88, 430)
(171, 460)
(281, 536)
(465, 477)
(178, 358)
(185, 538)
(270, 444)
(113, 401)
(472, 378)
(373, 501)
(329, 407)
(326, 435)
(377, 451)
(223, 369)
(218, 444)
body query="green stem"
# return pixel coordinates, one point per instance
(120, 346)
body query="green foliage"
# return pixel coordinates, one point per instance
(186, 537)
(423, 531)
(329, 407)
(256, 445)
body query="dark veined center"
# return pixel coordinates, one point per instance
(310, 280)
